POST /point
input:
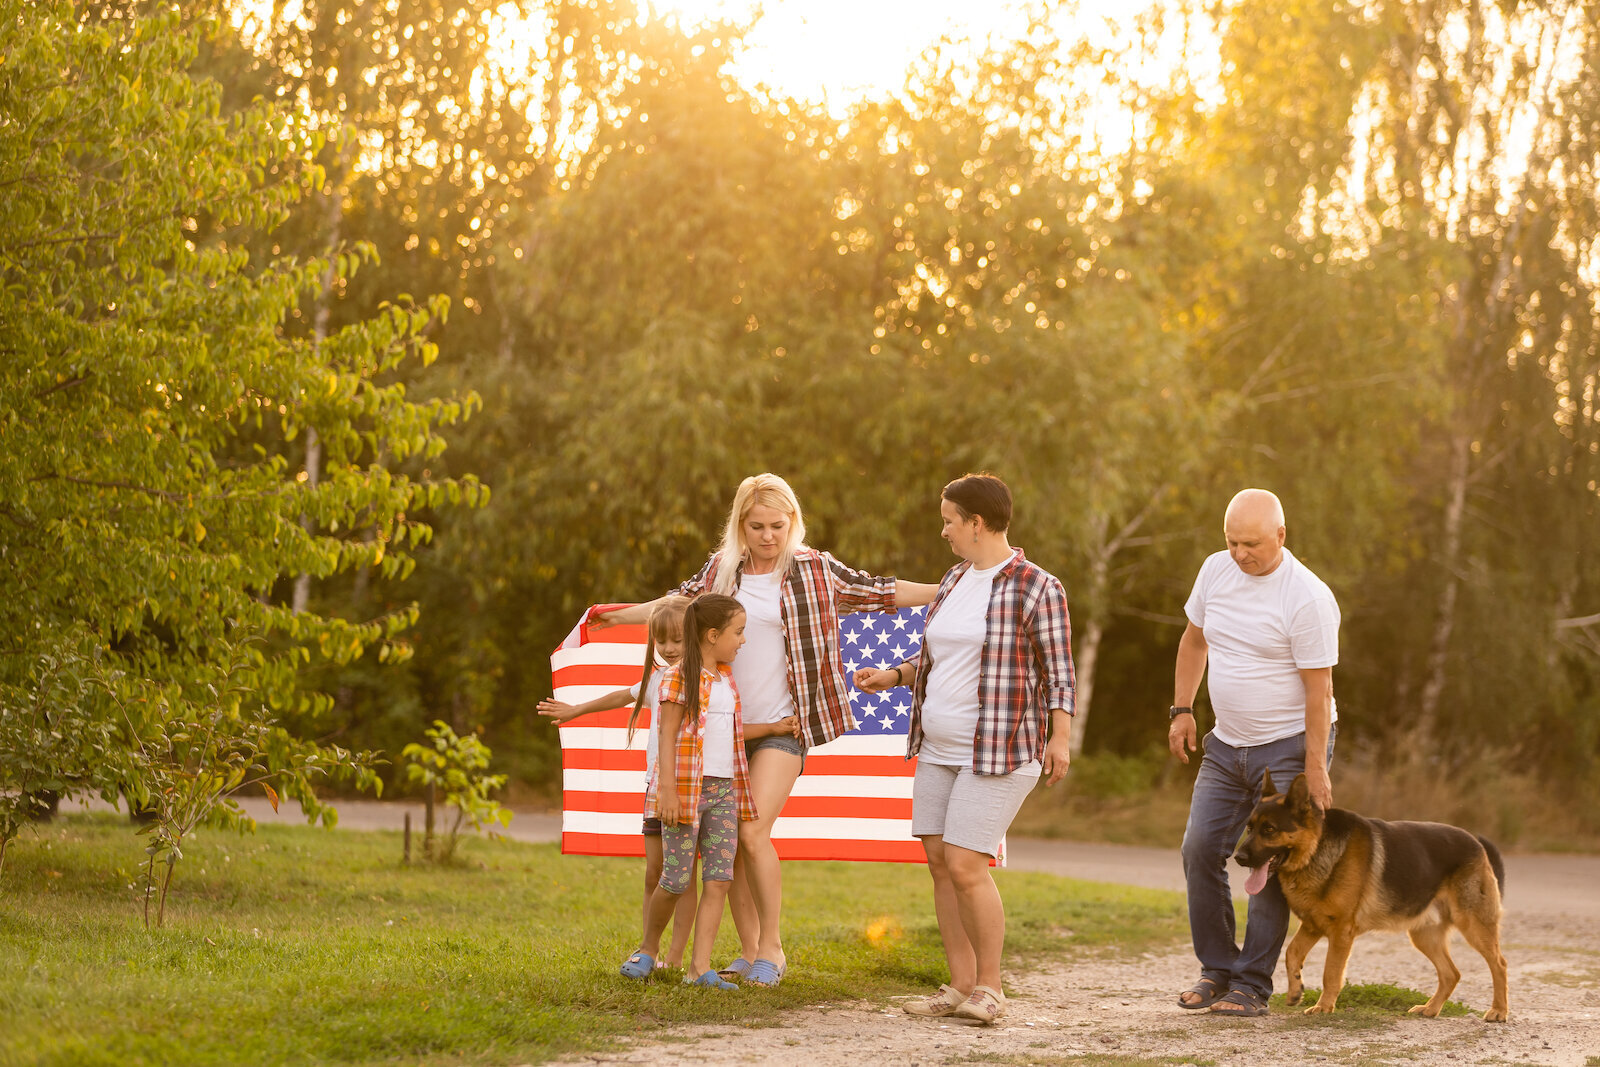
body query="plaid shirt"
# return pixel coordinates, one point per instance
(689, 752)
(816, 592)
(1024, 673)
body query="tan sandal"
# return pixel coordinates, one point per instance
(983, 1007)
(942, 1003)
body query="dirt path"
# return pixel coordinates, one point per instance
(1126, 1007)
(1121, 1006)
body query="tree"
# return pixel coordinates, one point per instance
(152, 381)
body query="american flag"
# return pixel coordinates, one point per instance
(852, 803)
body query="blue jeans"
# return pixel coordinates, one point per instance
(1225, 792)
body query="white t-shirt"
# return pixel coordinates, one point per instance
(718, 738)
(953, 641)
(761, 670)
(1261, 631)
(652, 702)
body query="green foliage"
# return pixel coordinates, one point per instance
(152, 390)
(1308, 276)
(453, 765)
(307, 946)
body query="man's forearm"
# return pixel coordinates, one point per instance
(1186, 675)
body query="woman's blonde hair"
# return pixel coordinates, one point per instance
(765, 490)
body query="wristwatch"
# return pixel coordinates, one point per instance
(1174, 712)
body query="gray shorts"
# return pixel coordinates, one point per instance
(971, 811)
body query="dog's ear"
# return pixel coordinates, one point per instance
(1300, 793)
(1266, 786)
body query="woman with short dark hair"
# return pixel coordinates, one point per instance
(992, 681)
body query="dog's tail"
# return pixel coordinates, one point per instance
(1495, 861)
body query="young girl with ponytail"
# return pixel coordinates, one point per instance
(701, 790)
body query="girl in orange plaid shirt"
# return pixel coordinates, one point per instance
(701, 788)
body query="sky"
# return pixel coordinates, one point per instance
(842, 50)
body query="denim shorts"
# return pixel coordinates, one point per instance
(781, 742)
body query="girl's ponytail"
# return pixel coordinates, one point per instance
(710, 611)
(691, 662)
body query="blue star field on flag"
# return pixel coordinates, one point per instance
(871, 639)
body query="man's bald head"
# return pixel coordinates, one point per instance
(1253, 526)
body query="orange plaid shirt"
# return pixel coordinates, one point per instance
(689, 751)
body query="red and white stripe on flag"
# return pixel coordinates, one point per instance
(852, 803)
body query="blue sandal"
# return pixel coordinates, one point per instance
(710, 980)
(640, 965)
(766, 973)
(739, 968)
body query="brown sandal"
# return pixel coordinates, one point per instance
(1241, 1003)
(1209, 990)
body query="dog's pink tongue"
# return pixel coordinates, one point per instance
(1257, 880)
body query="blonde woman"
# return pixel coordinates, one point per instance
(791, 685)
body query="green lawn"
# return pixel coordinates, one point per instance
(301, 945)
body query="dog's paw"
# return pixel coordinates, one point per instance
(1422, 1009)
(1293, 994)
(1497, 1015)
(1322, 1008)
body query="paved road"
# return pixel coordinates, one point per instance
(1547, 885)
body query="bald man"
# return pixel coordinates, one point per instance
(1269, 629)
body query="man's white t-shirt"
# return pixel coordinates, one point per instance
(954, 641)
(1261, 631)
(718, 737)
(761, 670)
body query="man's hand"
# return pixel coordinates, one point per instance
(1057, 756)
(1181, 736)
(1320, 784)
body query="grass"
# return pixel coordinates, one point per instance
(1374, 1002)
(300, 945)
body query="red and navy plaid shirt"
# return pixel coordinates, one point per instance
(689, 758)
(816, 592)
(1024, 672)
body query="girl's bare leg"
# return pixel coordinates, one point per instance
(772, 777)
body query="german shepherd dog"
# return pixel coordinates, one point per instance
(1344, 874)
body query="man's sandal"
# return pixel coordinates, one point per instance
(945, 1002)
(983, 1007)
(1207, 990)
(1241, 1003)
